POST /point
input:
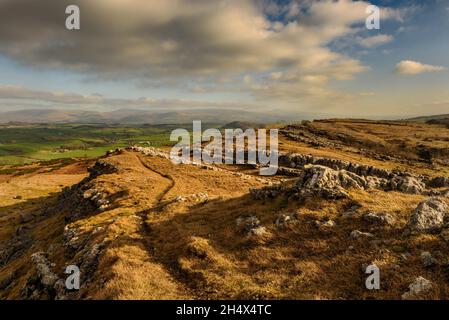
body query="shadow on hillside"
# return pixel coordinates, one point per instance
(25, 228)
(176, 238)
(207, 237)
(27, 211)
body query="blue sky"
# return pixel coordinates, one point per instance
(300, 57)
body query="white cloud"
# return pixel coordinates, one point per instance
(375, 41)
(193, 43)
(28, 98)
(410, 67)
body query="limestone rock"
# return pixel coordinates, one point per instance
(439, 182)
(417, 288)
(43, 268)
(407, 184)
(356, 234)
(381, 218)
(152, 152)
(429, 216)
(102, 167)
(327, 183)
(269, 192)
(325, 224)
(246, 224)
(284, 221)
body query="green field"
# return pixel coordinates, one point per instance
(31, 143)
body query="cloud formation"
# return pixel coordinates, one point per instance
(282, 48)
(410, 67)
(375, 41)
(13, 97)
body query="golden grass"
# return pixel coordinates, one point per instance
(160, 248)
(403, 139)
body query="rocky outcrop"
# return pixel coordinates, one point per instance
(245, 224)
(369, 177)
(325, 225)
(266, 193)
(407, 184)
(290, 172)
(419, 287)
(323, 182)
(97, 198)
(439, 182)
(87, 197)
(43, 268)
(100, 168)
(74, 240)
(152, 152)
(438, 193)
(356, 234)
(284, 221)
(44, 284)
(379, 218)
(83, 252)
(301, 160)
(83, 199)
(429, 216)
(340, 180)
(251, 227)
(82, 245)
(331, 179)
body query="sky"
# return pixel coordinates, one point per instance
(300, 57)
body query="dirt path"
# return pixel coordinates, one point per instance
(180, 289)
(161, 197)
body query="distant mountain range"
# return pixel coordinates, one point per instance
(429, 118)
(129, 116)
(159, 116)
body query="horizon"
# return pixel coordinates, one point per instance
(271, 118)
(305, 59)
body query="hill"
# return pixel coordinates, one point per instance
(443, 121)
(347, 194)
(429, 118)
(129, 116)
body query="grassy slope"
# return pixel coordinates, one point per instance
(192, 249)
(24, 144)
(427, 118)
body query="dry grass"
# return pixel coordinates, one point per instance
(163, 248)
(407, 140)
(38, 192)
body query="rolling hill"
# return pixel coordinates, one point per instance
(130, 116)
(348, 194)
